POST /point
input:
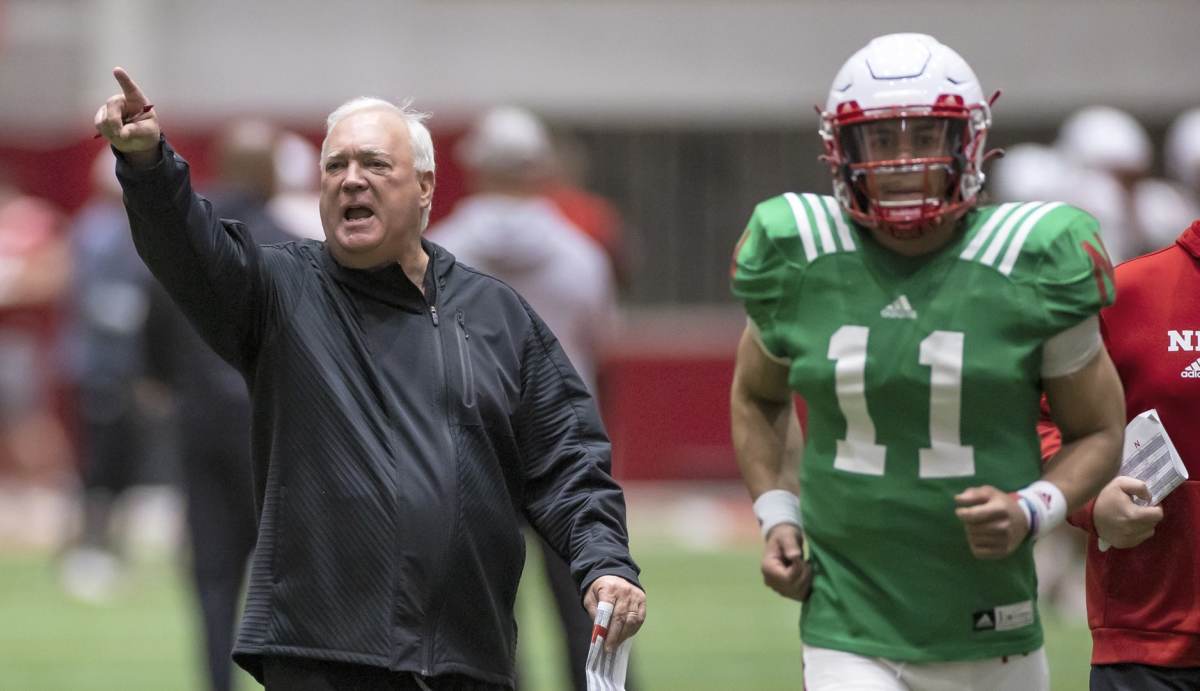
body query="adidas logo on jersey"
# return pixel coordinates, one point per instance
(984, 620)
(1192, 371)
(899, 309)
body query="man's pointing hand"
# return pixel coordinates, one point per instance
(128, 121)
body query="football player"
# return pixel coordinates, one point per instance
(921, 329)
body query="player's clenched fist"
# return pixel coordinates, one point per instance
(127, 120)
(993, 520)
(784, 569)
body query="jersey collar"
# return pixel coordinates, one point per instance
(1189, 240)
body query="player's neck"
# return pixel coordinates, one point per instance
(931, 241)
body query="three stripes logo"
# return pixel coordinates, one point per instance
(899, 309)
(999, 242)
(1192, 371)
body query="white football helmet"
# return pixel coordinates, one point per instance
(1104, 138)
(927, 165)
(1183, 149)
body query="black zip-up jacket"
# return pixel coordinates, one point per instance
(397, 440)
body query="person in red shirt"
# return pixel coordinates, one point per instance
(1142, 594)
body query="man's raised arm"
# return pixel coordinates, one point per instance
(211, 268)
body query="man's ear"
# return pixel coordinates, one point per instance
(426, 180)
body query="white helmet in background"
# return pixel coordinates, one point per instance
(906, 82)
(506, 139)
(1183, 149)
(1105, 138)
(297, 164)
(1029, 172)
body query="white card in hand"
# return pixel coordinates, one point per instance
(1150, 456)
(605, 670)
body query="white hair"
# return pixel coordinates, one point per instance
(418, 134)
(422, 142)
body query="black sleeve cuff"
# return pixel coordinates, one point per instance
(161, 186)
(126, 171)
(628, 573)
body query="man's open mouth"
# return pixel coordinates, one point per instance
(355, 213)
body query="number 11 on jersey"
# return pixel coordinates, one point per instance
(859, 452)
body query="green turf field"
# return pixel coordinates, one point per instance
(711, 625)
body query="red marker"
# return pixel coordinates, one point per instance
(132, 118)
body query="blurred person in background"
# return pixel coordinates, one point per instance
(295, 205)
(920, 329)
(1112, 156)
(103, 346)
(1182, 152)
(392, 455)
(1142, 594)
(589, 212)
(213, 407)
(34, 276)
(1029, 171)
(509, 229)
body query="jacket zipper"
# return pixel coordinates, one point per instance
(434, 611)
(464, 360)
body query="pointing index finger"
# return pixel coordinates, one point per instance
(134, 98)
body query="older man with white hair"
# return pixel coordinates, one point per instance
(407, 411)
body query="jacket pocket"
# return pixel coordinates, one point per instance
(464, 359)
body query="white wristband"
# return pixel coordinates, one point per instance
(776, 506)
(1044, 505)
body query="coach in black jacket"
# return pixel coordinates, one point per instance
(406, 411)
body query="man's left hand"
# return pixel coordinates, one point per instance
(994, 521)
(629, 607)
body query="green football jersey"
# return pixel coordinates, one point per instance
(922, 378)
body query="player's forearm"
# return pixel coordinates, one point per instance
(767, 442)
(1089, 408)
(1086, 464)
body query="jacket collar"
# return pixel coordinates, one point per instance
(1189, 240)
(389, 284)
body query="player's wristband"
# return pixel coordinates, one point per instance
(1044, 506)
(776, 506)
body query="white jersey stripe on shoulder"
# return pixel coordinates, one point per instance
(1006, 229)
(802, 225)
(818, 212)
(986, 231)
(1014, 249)
(843, 229)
